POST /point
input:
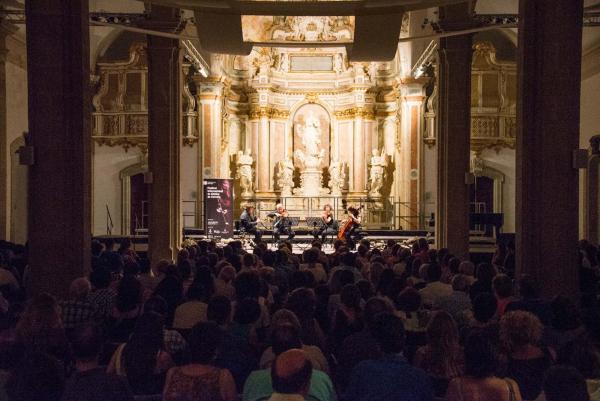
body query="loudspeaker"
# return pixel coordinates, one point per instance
(580, 158)
(26, 156)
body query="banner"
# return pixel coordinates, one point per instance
(218, 204)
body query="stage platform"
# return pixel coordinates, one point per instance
(481, 247)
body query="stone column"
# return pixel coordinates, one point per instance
(59, 124)
(358, 160)
(211, 123)
(164, 138)
(454, 133)
(549, 84)
(263, 156)
(6, 29)
(413, 96)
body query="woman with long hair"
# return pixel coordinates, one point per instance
(143, 359)
(480, 382)
(201, 379)
(442, 358)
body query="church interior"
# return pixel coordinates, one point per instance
(464, 128)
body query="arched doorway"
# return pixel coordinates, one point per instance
(134, 199)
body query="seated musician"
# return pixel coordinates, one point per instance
(329, 225)
(249, 221)
(282, 223)
(351, 230)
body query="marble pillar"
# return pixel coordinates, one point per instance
(164, 138)
(59, 122)
(263, 155)
(211, 124)
(549, 85)
(454, 133)
(359, 162)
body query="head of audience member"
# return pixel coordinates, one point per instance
(348, 259)
(565, 314)
(227, 273)
(80, 289)
(203, 284)
(247, 285)
(283, 317)
(171, 289)
(453, 264)
(460, 283)
(388, 331)
(97, 248)
(204, 342)
(520, 329)
(409, 301)
(502, 286)
(485, 272)
(528, 288)
(249, 261)
(376, 270)
(42, 315)
(303, 302)
(219, 310)
(565, 383)
(285, 336)
(442, 334)
(86, 345)
(467, 268)
(484, 307)
(139, 354)
(481, 356)
(310, 256)
(37, 376)
(434, 272)
(423, 244)
(100, 278)
(247, 311)
(366, 289)
(374, 307)
(291, 373)
(350, 297)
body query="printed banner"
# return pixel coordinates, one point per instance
(218, 204)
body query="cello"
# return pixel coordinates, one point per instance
(351, 223)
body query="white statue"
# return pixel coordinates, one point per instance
(337, 176)
(285, 176)
(284, 63)
(311, 158)
(244, 173)
(377, 174)
(338, 63)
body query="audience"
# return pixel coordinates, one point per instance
(201, 379)
(383, 323)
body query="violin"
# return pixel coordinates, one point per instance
(351, 223)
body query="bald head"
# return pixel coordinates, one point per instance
(291, 373)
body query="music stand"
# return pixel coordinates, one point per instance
(314, 222)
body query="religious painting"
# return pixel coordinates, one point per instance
(312, 134)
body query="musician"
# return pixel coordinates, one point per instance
(329, 225)
(351, 230)
(249, 222)
(282, 223)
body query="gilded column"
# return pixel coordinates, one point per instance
(548, 107)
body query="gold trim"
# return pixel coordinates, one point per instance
(355, 112)
(268, 112)
(125, 141)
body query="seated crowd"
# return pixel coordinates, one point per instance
(221, 323)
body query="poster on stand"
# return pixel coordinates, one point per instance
(218, 203)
